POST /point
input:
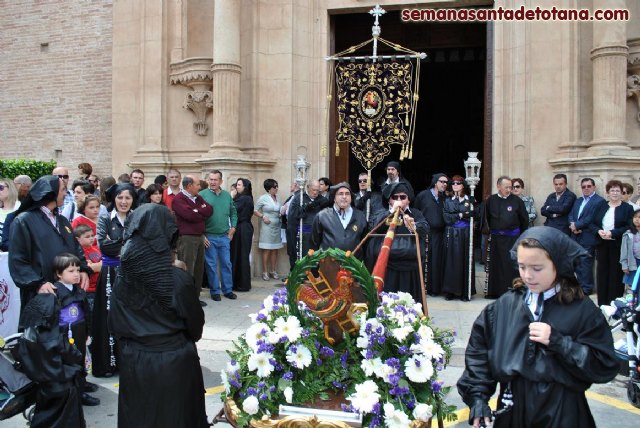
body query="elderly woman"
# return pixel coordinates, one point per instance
(613, 220)
(458, 209)
(156, 317)
(517, 188)
(110, 233)
(267, 209)
(402, 269)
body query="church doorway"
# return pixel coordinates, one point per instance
(453, 115)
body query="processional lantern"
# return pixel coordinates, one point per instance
(472, 167)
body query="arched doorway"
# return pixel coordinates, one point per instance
(453, 111)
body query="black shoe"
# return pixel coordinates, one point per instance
(203, 304)
(89, 400)
(216, 297)
(231, 296)
(449, 297)
(90, 387)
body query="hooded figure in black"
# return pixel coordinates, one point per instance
(402, 269)
(48, 358)
(157, 318)
(38, 234)
(430, 202)
(543, 341)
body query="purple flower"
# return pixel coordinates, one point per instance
(436, 386)
(325, 351)
(343, 359)
(403, 350)
(319, 361)
(376, 409)
(264, 397)
(261, 317)
(305, 333)
(348, 408)
(287, 376)
(251, 391)
(261, 384)
(234, 383)
(393, 362)
(272, 388)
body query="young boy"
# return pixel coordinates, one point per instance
(86, 238)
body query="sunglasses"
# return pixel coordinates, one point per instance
(456, 183)
(362, 181)
(399, 197)
(517, 186)
(64, 177)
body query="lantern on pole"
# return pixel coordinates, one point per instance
(472, 170)
(302, 167)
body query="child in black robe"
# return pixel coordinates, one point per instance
(543, 341)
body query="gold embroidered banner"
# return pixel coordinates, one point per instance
(375, 103)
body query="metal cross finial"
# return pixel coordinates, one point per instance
(377, 12)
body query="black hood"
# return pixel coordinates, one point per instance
(41, 311)
(393, 188)
(43, 191)
(435, 178)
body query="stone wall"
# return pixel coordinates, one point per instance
(55, 81)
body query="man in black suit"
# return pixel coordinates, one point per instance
(585, 231)
(558, 205)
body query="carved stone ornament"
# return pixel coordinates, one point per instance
(633, 90)
(199, 102)
(195, 73)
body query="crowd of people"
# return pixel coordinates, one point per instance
(105, 227)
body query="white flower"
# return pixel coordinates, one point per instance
(268, 303)
(232, 367)
(288, 395)
(375, 326)
(371, 366)
(406, 299)
(250, 405)
(225, 381)
(395, 418)
(418, 308)
(425, 333)
(422, 412)
(289, 328)
(260, 364)
(418, 369)
(386, 371)
(431, 349)
(365, 397)
(301, 358)
(273, 337)
(362, 341)
(255, 333)
(401, 333)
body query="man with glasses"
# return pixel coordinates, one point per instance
(504, 218)
(584, 230)
(430, 203)
(63, 173)
(366, 197)
(558, 205)
(338, 226)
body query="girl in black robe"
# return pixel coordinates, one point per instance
(110, 231)
(157, 318)
(458, 210)
(243, 238)
(402, 269)
(543, 341)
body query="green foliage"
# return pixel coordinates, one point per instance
(10, 168)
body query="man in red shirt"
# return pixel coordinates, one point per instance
(191, 212)
(170, 193)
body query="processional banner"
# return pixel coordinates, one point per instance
(375, 105)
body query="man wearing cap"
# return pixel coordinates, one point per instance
(338, 226)
(402, 272)
(312, 203)
(431, 203)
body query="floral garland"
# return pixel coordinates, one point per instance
(389, 373)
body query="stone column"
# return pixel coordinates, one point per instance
(609, 60)
(226, 78)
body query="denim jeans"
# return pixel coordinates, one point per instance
(219, 250)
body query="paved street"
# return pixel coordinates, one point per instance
(228, 319)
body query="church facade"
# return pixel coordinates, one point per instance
(242, 86)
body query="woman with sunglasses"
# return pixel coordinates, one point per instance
(267, 209)
(517, 189)
(402, 269)
(458, 209)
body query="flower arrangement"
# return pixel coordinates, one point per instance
(388, 372)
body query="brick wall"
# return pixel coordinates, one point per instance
(55, 81)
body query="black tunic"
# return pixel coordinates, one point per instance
(432, 208)
(402, 273)
(307, 212)
(35, 242)
(548, 382)
(456, 273)
(327, 230)
(104, 349)
(161, 381)
(241, 244)
(502, 216)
